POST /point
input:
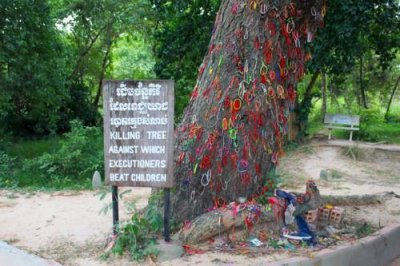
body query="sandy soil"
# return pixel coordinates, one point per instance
(71, 227)
(374, 171)
(63, 226)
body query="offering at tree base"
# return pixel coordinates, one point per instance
(247, 215)
(232, 132)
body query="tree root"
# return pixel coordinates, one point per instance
(217, 222)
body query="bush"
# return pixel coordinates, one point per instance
(138, 236)
(7, 166)
(79, 155)
(393, 118)
(370, 116)
(387, 132)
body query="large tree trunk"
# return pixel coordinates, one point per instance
(232, 132)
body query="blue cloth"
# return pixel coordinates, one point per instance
(287, 196)
(302, 226)
(304, 229)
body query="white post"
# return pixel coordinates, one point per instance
(351, 133)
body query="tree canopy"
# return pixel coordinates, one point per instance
(54, 54)
(32, 70)
(354, 28)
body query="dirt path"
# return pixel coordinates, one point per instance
(340, 170)
(69, 227)
(61, 225)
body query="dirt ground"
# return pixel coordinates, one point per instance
(71, 227)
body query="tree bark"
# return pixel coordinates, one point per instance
(362, 87)
(324, 97)
(391, 99)
(232, 131)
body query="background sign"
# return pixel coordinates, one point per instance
(138, 133)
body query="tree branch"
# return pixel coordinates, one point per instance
(391, 98)
(85, 52)
(104, 66)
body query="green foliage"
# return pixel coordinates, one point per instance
(314, 127)
(54, 55)
(94, 33)
(270, 184)
(7, 169)
(31, 69)
(181, 40)
(77, 158)
(370, 116)
(78, 106)
(364, 229)
(356, 48)
(372, 125)
(394, 118)
(353, 28)
(31, 149)
(385, 132)
(68, 162)
(132, 58)
(138, 236)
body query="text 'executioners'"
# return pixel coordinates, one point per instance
(138, 163)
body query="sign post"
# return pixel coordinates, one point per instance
(114, 195)
(138, 138)
(166, 214)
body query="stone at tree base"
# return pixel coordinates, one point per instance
(96, 180)
(323, 174)
(169, 250)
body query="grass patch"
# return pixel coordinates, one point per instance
(386, 132)
(342, 134)
(314, 127)
(364, 229)
(29, 149)
(336, 174)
